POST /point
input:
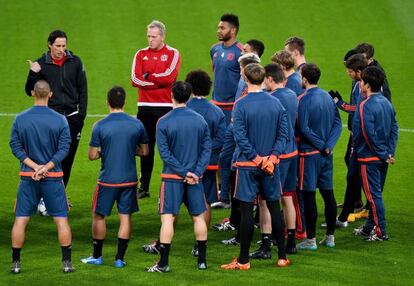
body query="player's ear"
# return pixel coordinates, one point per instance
(32, 92)
(50, 94)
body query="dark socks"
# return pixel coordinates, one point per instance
(291, 237)
(164, 252)
(16, 254)
(266, 241)
(97, 247)
(277, 227)
(330, 210)
(246, 231)
(202, 247)
(311, 213)
(122, 247)
(66, 253)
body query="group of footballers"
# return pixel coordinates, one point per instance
(266, 137)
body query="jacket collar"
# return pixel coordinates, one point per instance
(48, 57)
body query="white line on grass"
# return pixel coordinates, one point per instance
(409, 130)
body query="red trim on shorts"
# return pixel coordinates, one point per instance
(213, 167)
(309, 153)
(367, 190)
(130, 184)
(171, 176)
(369, 159)
(289, 155)
(49, 174)
(235, 185)
(162, 197)
(301, 171)
(246, 164)
(95, 198)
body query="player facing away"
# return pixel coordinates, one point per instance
(319, 128)
(275, 81)
(116, 139)
(40, 139)
(375, 139)
(224, 56)
(287, 63)
(201, 83)
(260, 132)
(184, 146)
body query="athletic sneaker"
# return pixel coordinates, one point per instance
(92, 260)
(362, 214)
(194, 251)
(142, 193)
(261, 253)
(308, 244)
(338, 223)
(224, 225)
(119, 263)
(283, 262)
(221, 205)
(235, 265)
(67, 266)
(361, 231)
(351, 218)
(15, 267)
(151, 248)
(328, 241)
(376, 237)
(202, 265)
(231, 241)
(157, 268)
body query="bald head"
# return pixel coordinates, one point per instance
(41, 89)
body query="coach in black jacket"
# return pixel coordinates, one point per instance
(65, 74)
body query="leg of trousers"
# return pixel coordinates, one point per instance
(311, 212)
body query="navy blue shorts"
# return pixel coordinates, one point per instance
(288, 170)
(253, 182)
(174, 193)
(210, 186)
(105, 197)
(315, 171)
(53, 194)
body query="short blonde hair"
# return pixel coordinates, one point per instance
(159, 25)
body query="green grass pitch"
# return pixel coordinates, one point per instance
(106, 35)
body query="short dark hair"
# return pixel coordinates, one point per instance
(232, 19)
(365, 48)
(116, 97)
(311, 72)
(54, 35)
(254, 73)
(349, 54)
(200, 82)
(257, 46)
(296, 43)
(356, 62)
(181, 91)
(374, 76)
(275, 72)
(41, 88)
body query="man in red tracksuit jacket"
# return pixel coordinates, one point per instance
(154, 71)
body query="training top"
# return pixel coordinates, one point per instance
(319, 123)
(216, 122)
(154, 73)
(241, 89)
(294, 82)
(356, 98)
(118, 135)
(226, 70)
(259, 127)
(289, 101)
(41, 134)
(375, 129)
(183, 142)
